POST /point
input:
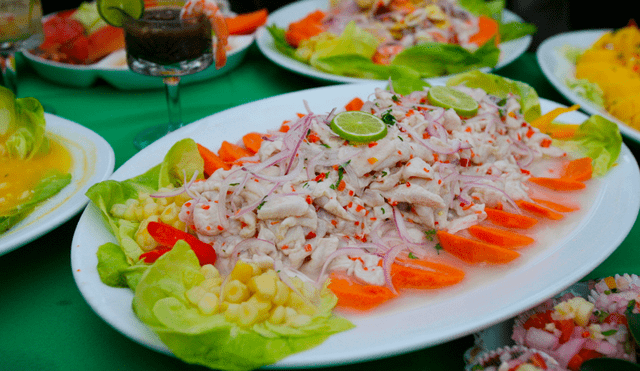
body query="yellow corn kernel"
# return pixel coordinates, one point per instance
(282, 293)
(179, 224)
(248, 314)
(170, 214)
(161, 201)
(232, 312)
(236, 291)
(289, 313)
(299, 304)
(195, 294)
(262, 305)
(181, 199)
(242, 272)
(143, 238)
(118, 210)
(298, 320)
(277, 315)
(209, 271)
(263, 285)
(149, 208)
(212, 285)
(223, 306)
(208, 304)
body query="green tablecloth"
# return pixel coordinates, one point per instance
(45, 324)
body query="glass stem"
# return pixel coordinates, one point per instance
(9, 77)
(173, 102)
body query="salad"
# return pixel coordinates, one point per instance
(375, 40)
(34, 167)
(352, 223)
(608, 73)
(81, 37)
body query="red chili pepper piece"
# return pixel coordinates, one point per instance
(166, 235)
(153, 255)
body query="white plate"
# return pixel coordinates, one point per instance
(282, 17)
(606, 218)
(93, 161)
(557, 68)
(113, 68)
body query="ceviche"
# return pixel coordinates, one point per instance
(33, 167)
(253, 245)
(378, 39)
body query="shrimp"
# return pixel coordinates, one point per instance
(218, 23)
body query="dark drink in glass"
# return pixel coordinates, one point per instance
(162, 44)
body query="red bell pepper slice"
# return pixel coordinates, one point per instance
(167, 235)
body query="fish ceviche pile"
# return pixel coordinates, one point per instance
(298, 220)
(312, 201)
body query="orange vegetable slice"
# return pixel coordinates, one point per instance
(472, 251)
(500, 237)
(510, 220)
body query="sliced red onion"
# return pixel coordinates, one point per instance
(360, 249)
(252, 207)
(510, 200)
(442, 149)
(540, 339)
(387, 261)
(568, 350)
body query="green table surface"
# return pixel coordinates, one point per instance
(45, 324)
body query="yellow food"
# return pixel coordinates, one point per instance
(19, 177)
(249, 296)
(613, 63)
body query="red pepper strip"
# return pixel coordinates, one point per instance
(153, 255)
(166, 235)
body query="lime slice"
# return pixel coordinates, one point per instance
(446, 97)
(357, 126)
(112, 10)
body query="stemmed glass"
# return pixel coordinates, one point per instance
(20, 27)
(162, 44)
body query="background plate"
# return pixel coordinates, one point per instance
(557, 68)
(282, 17)
(571, 250)
(113, 68)
(93, 162)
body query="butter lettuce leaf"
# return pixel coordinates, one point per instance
(181, 162)
(515, 30)
(22, 126)
(501, 87)
(491, 8)
(598, 138)
(434, 59)
(352, 41)
(211, 340)
(49, 185)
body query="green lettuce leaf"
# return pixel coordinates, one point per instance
(22, 126)
(52, 183)
(501, 87)
(280, 42)
(181, 162)
(352, 41)
(434, 59)
(515, 30)
(114, 269)
(210, 340)
(597, 138)
(491, 8)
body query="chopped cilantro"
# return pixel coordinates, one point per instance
(326, 145)
(411, 256)
(395, 98)
(438, 247)
(234, 184)
(261, 203)
(305, 185)
(609, 332)
(382, 208)
(601, 315)
(388, 118)
(430, 234)
(399, 137)
(384, 173)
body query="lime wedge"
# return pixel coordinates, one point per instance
(447, 97)
(357, 126)
(112, 10)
